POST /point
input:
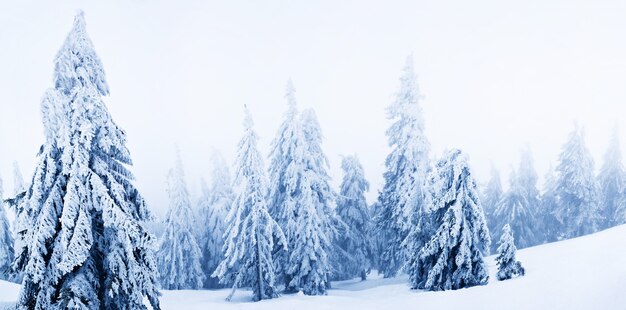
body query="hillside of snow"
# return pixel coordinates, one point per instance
(583, 273)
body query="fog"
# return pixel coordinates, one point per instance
(494, 76)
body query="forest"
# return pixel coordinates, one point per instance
(273, 224)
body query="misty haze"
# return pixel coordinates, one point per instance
(341, 155)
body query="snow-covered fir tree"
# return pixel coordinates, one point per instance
(577, 192)
(378, 241)
(514, 210)
(404, 191)
(612, 181)
(250, 231)
(353, 210)
(549, 223)
(302, 201)
(82, 244)
(179, 256)
(285, 170)
(508, 265)
(492, 192)
(314, 223)
(214, 205)
(18, 180)
(528, 179)
(491, 195)
(6, 241)
(528, 184)
(453, 257)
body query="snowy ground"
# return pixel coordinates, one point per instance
(583, 273)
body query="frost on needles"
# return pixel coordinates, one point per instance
(284, 171)
(179, 256)
(354, 212)
(453, 257)
(612, 182)
(577, 192)
(80, 238)
(314, 222)
(302, 202)
(213, 208)
(403, 195)
(508, 265)
(250, 230)
(515, 208)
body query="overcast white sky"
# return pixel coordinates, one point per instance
(495, 75)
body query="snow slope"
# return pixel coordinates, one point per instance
(583, 273)
(8, 294)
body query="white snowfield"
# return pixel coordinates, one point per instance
(583, 273)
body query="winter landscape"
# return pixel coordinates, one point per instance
(203, 185)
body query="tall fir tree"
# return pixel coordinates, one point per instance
(528, 179)
(549, 223)
(492, 192)
(378, 241)
(514, 210)
(250, 231)
(402, 198)
(317, 162)
(453, 257)
(508, 265)
(214, 206)
(491, 195)
(314, 223)
(612, 181)
(528, 184)
(353, 210)
(285, 170)
(577, 192)
(179, 256)
(6, 241)
(82, 244)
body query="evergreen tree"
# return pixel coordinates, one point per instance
(453, 257)
(508, 265)
(179, 255)
(493, 191)
(491, 196)
(528, 180)
(314, 224)
(577, 191)
(514, 208)
(378, 241)
(403, 194)
(286, 168)
(549, 223)
(612, 181)
(528, 184)
(18, 180)
(6, 242)
(302, 202)
(250, 231)
(82, 243)
(352, 208)
(214, 205)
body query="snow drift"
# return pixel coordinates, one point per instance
(583, 273)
